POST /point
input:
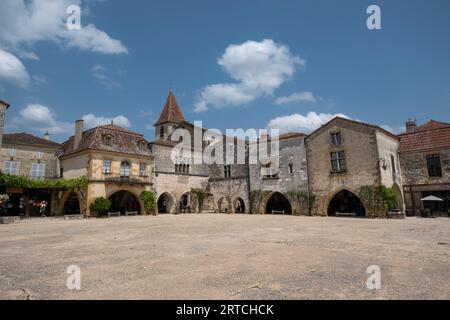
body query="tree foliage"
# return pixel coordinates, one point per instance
(12, 181)
(149, 200)
(100, 205)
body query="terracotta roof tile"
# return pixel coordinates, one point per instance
(171, 111)
(431, 135)
(28, 139)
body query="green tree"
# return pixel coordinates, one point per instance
(100, 205)
(149, 200)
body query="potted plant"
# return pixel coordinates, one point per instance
(149, 200)
(100, 205)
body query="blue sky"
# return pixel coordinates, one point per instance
(233, 64)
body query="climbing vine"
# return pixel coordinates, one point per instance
(377, 199)
(201, 196)
(256, 197)
(11, 181)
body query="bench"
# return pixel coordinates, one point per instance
(111, 214)
(73, 216)
(277, 212)
(9, 220)
(131, 213)
(345, 214)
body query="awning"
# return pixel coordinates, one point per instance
(431, 198)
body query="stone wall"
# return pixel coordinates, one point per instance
(26, 155)
(359, 142)
(291, 152)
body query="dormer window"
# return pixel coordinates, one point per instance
(336, 139)
(107, 139)
(142, 145)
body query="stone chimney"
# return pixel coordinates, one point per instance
(47, 136)
(411, 125)
(78, 133)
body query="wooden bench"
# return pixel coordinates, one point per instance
(131, 213)
(73, 216)
(345, 214)
(9, 220)
(277, 212)
(111, 214)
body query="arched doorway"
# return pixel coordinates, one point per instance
(187, 203)
(398, 198)
(239, 205)
(346, 203)
(165, 203)
(278, 204)
(124, 201)
(72, 204)
(223, 205)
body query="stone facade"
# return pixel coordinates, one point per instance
(117, 163)
(416, 146)
(366, 160)
(290, 180)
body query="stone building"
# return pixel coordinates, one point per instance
(425, 161)
(283, 188)
(117, 162)
(26, 155)
(347, 163)
(175, 176)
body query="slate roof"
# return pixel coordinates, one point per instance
(171, 111)
(123, 140)
(430, 136)
(29, 140)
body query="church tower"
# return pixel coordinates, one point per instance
(171, 116)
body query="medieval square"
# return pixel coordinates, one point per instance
(301, 152)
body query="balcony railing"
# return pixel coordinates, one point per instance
(129, 179)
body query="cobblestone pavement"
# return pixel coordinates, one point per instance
(207, 256)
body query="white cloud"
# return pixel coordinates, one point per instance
(91, 121)
(296, 97)
(36, 117)
(102, 75)
(258, 68)
(300, 123)
(40, 118)
(12, 69)
(23, 23)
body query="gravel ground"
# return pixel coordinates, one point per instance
(207, 256)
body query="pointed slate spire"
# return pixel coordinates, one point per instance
(171, 111)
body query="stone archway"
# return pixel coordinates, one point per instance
(165, 203)
(239, 205)
(124, 201)
(278, 203)
(346, 203)
(223, 205)
(399, 203)
(71, 204)
(187, 203)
